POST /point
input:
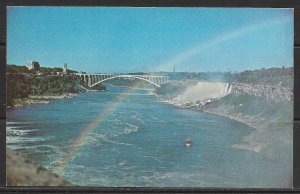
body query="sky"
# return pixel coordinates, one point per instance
(120, 40)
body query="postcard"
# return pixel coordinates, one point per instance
(150, 97)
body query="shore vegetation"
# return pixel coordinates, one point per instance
(22, 84)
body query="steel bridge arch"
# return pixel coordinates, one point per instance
(126, 76)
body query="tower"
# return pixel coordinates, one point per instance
(65, 68)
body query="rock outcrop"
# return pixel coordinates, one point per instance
(274, 93)
(20, 171)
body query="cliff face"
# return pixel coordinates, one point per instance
(274, 93)
(268, 109)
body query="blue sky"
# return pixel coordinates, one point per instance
(107, 39)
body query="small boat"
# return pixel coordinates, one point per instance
(188, 142)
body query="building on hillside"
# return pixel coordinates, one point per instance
(64, 72)
(59, 73)
(33, 65)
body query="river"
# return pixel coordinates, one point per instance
(127, 137)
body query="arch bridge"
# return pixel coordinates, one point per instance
(92, 80)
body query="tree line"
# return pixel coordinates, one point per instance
(45, 70)
(19, 86)
(273, 76)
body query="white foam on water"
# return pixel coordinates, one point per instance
(18, 134)
(43, 148)
(19, 123)
(138, 116)
(155, 118)
(97, 139)
(119, 143)
(163, 101)
(130, 128)
(132, 94)
(47, 146)
(10, 140)
(19, 130)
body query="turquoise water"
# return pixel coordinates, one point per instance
(138, 142)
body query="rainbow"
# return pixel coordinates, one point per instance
(82, 138)
(219, 40)
(87, 130)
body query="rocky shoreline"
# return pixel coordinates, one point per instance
(21, 171)
(45, 99)
(274, 93)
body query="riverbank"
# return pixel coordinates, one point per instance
(44, 99)
(265, 128)
(269, 130)
(247, 144)
(21, 171)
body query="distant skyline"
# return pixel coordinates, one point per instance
(114, 39)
